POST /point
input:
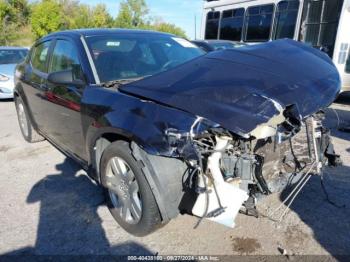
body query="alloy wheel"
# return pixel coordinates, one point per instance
(22, 119)
(124, 190)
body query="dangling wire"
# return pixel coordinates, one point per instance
(292, 195)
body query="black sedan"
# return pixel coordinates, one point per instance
(166, 128)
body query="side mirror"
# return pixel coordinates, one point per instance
(64, 78)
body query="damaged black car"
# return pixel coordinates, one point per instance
(167, 129)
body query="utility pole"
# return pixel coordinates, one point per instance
(195, 27)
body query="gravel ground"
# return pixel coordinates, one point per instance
(49, 206)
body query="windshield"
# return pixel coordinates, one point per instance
(133, 56)
(9, 56)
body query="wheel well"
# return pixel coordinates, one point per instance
(100, 145)
(15, 94)
(164, 174)
(112, 137)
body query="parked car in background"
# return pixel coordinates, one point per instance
(9, 58)
(166, 128)
(212, 45)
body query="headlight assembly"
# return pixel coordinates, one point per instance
(4, 78)
(5, 90)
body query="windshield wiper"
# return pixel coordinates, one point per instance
(120, 82)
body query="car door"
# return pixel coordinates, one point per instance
(35, 84)
(65, 99)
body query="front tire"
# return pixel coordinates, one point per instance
(27, 130)
(129, 196)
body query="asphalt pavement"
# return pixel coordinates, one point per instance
(49, 206)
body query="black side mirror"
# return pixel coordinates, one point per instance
(65, 77)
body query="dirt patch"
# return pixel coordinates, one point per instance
(29, 153)
(245, 246)
(5, 136)
(295, 237)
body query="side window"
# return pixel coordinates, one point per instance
(65, 57)
(347, 67)
(320, 23)
(40, 56)
(212, 25)
(259, 23)
(231, 24)
(286, 18)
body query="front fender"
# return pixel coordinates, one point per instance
(131, 118)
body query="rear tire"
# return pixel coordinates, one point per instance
(129, 196)
(27, 130)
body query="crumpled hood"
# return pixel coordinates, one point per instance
(242, 88)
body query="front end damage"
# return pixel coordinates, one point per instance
(228, 173)
(258, 125)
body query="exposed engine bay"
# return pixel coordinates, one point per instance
(230, 172)
(245, 123)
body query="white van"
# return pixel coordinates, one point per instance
(324, 24)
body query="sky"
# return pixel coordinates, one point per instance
(179, 12)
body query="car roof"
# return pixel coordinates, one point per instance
(104, 31)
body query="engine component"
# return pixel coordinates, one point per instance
(221, 200)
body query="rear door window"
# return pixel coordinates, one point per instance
(259, 23)
(212, 25)
(231, 24)
(286, 18)
(40, 56)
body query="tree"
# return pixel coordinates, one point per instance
(21, 22)
(76, 15)
(46, 18)
(70, 11)
(132, 14)
(22, 10)
(8, 23)
(101, 17)
(82, 17)
(169, 28)
(135, 14)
